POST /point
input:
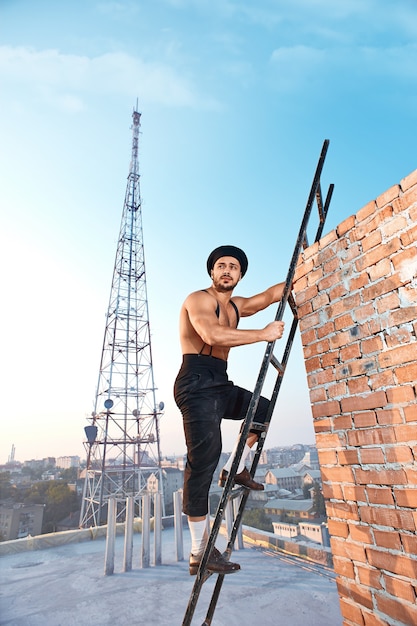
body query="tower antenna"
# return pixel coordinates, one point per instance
(123, 445)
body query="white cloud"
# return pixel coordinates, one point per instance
(66, 78)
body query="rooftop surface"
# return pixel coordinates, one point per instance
(66, 586)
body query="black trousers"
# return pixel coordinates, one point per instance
(205, 396)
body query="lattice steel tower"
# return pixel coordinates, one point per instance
(123, 446)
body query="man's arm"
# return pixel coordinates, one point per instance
(202, 316)
(259, 302)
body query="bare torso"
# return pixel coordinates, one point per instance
(209, 302)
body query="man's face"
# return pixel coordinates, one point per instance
(226, 273)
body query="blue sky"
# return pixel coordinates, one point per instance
(236, 100)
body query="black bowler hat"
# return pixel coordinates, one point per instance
(236, 253)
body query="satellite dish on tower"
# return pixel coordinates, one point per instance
(108, 403)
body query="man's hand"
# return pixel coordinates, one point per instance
(273, 331)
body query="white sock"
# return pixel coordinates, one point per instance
(199, 536)
(244, 456)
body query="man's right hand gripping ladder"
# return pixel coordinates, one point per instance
(269, 359)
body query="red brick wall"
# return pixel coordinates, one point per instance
(356, 294)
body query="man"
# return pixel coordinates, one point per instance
(203, 393)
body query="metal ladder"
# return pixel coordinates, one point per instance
(269, 359)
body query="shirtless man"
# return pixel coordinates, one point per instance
(203, 393)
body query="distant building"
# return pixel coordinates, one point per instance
(65, 462)
(296, 509)
(20, 520)
(284, 478)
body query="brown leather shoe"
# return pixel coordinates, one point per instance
(244, 479)
(216, 564)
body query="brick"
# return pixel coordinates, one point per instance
(381, 287)
(409, 181)
(397, 609)
(347, 304)
(406, 497)
(380, 476)
(337, 390)
(348, 457)
(362, 420)
(365, 312)
(385, 250)
(328, 441)
(369, 576)
(380, 270)
(406, 433)
(388, 196)
(330, 359)
(381, 380)
(361, 533)
(361, 403)
(371, 345)
(325, 330)
(366, 211)
(354, 493)
(337, 474)
(399, 588)
(322, 425)
(387, 539)
(359, 594)
(306, 295)
(328, 239)
(329, 281)
(402, 315)
(382, 516)
(389, 416)
(398, 336)
(394, 563)
(370, 619)
(321, 377)
(388, 302)
(350, 352)
(356, 368)
(399, 454)
(380, 495)
(410, 413)
(323, 409)
(372, 456)
(405, 263)
(351, 612)
(348, 549)
(398, 355)
(371, 436)
(409, 237)
(372, 240)
(345, 226)
(332, 491)
(411, 474)
(312, 365)
(327, 457)
(316, 348)
(409, 543)
(358, 281)
(399, 395)
(407, 374)
(338, 528)
(342, 422)
(396, 224)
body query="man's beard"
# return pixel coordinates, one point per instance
(224, 288)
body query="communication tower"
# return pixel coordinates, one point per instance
(123, 446)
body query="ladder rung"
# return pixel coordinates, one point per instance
(277, 364)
